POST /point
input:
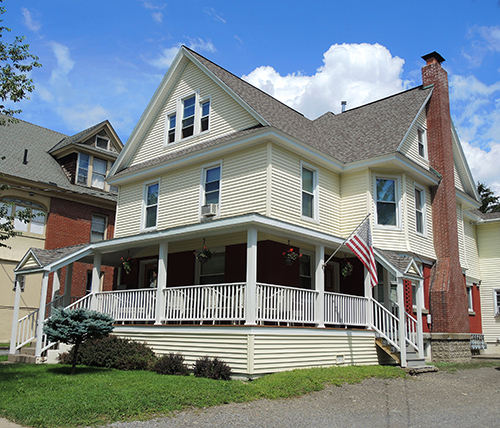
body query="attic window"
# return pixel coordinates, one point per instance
(102, 142)
(422, 143)
(188, 117)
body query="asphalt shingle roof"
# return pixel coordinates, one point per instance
(46, 257)
(41, 168)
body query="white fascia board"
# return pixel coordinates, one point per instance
(228, 90)
(143, 124)
(465, 164)
(268, 133)
(467, 199)
(398, 159)
(415, 119)
(218, 227)
(488, 220)
(25, 257)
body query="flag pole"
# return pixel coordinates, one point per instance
(347, 239)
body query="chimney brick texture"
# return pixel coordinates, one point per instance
(448, 295)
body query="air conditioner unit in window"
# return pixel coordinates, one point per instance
(209, 210)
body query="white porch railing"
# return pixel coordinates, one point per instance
(221, 302)
(285, 304)
(345, 310)
(386, 324)
(411, 335)
(127, 305)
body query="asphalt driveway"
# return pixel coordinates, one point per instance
(469, 398)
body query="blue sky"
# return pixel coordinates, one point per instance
(104, 59)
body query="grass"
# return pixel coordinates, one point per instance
(47, 396)
(4, 357)
(453, 367)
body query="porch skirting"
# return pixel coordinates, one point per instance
(256, 350)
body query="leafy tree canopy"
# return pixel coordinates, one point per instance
(15, 62)
(490, 203)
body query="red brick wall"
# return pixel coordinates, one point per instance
(69, 223)
(448, 297)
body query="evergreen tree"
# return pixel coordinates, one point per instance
(75, 326)
(489, 201)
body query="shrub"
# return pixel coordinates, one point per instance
(115, 352)
(75, 326)
(212, 368)
(171, 364)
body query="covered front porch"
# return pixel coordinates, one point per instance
(247, 285)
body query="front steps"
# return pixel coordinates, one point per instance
(27, 355)
(413, 362)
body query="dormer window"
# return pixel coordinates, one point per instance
(98, 173)
(91, 172)
(83, 169)
(102, 142)
(194, 118)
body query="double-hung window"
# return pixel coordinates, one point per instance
(151, 205)
(98, 173)
(496, 301)
(386, 194)
(98, 228)
(421, 139)
(83, 169)
(189, 108)
(305, 271)
(35, 225)
(171, 127)
(419, 210)
(205, 114)
(309, 193)
(212, 185)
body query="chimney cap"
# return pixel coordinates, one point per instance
(433, 57)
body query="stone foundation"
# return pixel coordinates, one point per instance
(450, 347)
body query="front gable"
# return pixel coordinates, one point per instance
(187, 79)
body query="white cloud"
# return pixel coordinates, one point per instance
(157, 17)
(211, 12)
(82, 116)
(484, 164)
(64, 63)
(357, 73)
(483, 40)
(167, 55)
(29, 21)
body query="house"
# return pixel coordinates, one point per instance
(61, 178)
(217, 167)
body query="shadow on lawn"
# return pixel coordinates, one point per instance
(80, 370)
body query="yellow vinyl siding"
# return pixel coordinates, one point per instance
(458, 181)
(129, 210)
(286, 192)
(251, 351)
(488, 236)
(354, 193)
(421, 244)
(226, 115)
(410, 144)
(471, 254)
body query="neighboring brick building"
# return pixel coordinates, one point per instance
(61, 177)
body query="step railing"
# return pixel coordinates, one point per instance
(411, 331)
(343, 309)
(386, 324)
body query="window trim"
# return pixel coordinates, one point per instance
(496, 302)
(90, 172)
(312, 265)
(108, 145)
(105, 217)
(204, 170)
(179, 113)
(423, 132)
(397, 197)
(17, 202)
(145, 206)
(423, 210)
(315, 192)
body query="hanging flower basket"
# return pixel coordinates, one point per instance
(204, 255)
(127, 263)
(289, 256)
(347, 268)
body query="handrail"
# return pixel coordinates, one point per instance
(386, 324)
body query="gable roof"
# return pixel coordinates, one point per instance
(41, 167)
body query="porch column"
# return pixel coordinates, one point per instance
(251, 291)
(56, 283)
(402, 323)
(420, 305)
(96, 280)
(68, 279)
(15, 315)
(369, 295)
(320, 286)
(161, 282)
(41, 315)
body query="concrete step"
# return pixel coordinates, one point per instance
(22, 358)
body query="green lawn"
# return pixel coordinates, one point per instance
(47, 396)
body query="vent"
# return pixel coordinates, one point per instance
(209, 210)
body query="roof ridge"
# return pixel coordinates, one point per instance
(247, 83)
(34, 124)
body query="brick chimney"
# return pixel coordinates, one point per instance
(448, 295)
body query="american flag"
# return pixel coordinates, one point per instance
(361, 244)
